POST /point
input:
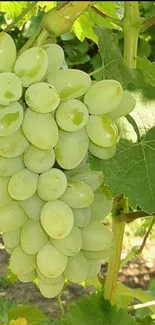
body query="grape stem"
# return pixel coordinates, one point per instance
(133, 123)
(131, 27)
(18, 18)
(140, 306)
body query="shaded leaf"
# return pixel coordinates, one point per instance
(148, 69)
(131, 171)
(33, 314)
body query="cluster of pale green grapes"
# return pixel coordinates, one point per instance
(52, 205)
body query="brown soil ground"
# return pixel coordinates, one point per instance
(136, 274)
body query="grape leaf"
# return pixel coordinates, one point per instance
(131, 171)
(33, 314)
(146, 321)
(148, 69)
(94, 310)
(113, 62)
(109, 8)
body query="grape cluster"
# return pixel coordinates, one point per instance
(52, 205)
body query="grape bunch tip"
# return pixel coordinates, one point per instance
(52, 205)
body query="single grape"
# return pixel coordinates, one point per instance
(103, 97)
(126, 105)
(50, 290)
(102, 131)
(42, 97)
(102, 204)
(55, 55)
(8, 52)
(40, 129)
(50, 261)
(23, 184)
(52, 184)
(96, 237)
(57, 219)
(94, 267)
(11, 118)
(72, 115)
(98, 255)
(10, 89)
(12, 239)
(14, 145)
(100, 152)
(22, 263)
(82, 217)
(31, 66)
(92, 178)
(29, 277)
(32, 206)
(70, 245)
(12, 217)
(33, 237)
(9, 167)
(5, 198)
(70, 83)
(78, 195)
(77, 268)
(71, 148)
(38, 160)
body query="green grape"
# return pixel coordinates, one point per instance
(4, 195)
(31, 66)
(29, 277)
(55, 55)
(96, 237)
(12, 239)
(33, 237)
(11, 118)
(9, 250)
(72, 115)
(78, 195)
(50, 261)
(57, 219)
(14, 145)
(92, 178)
(70, 83)
(9, 167)
(103, 97)
(98, 255)
(23, 184)
(8, 52)
(52, 184)
(42, 97)
(102, 131)
(94, 267)
(126, 105)
(50, 290)
(77, 268)
(71, 148)
(22, 263)
(12, 217)
(102, 204)
(40, 129)
(11, 88)
(38, 160)
(100, 152)
(82, 217)
(70, 245)
(32, 206)
(47, 280)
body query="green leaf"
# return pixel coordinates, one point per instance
(146, 321)
(109, 8)
(83, 27)
(113, 62)
(131, 171)
(33, 314)
(94, 310)
(148, 69)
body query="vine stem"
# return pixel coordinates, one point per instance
(140, 306)
(18, 18)
(131, 27)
